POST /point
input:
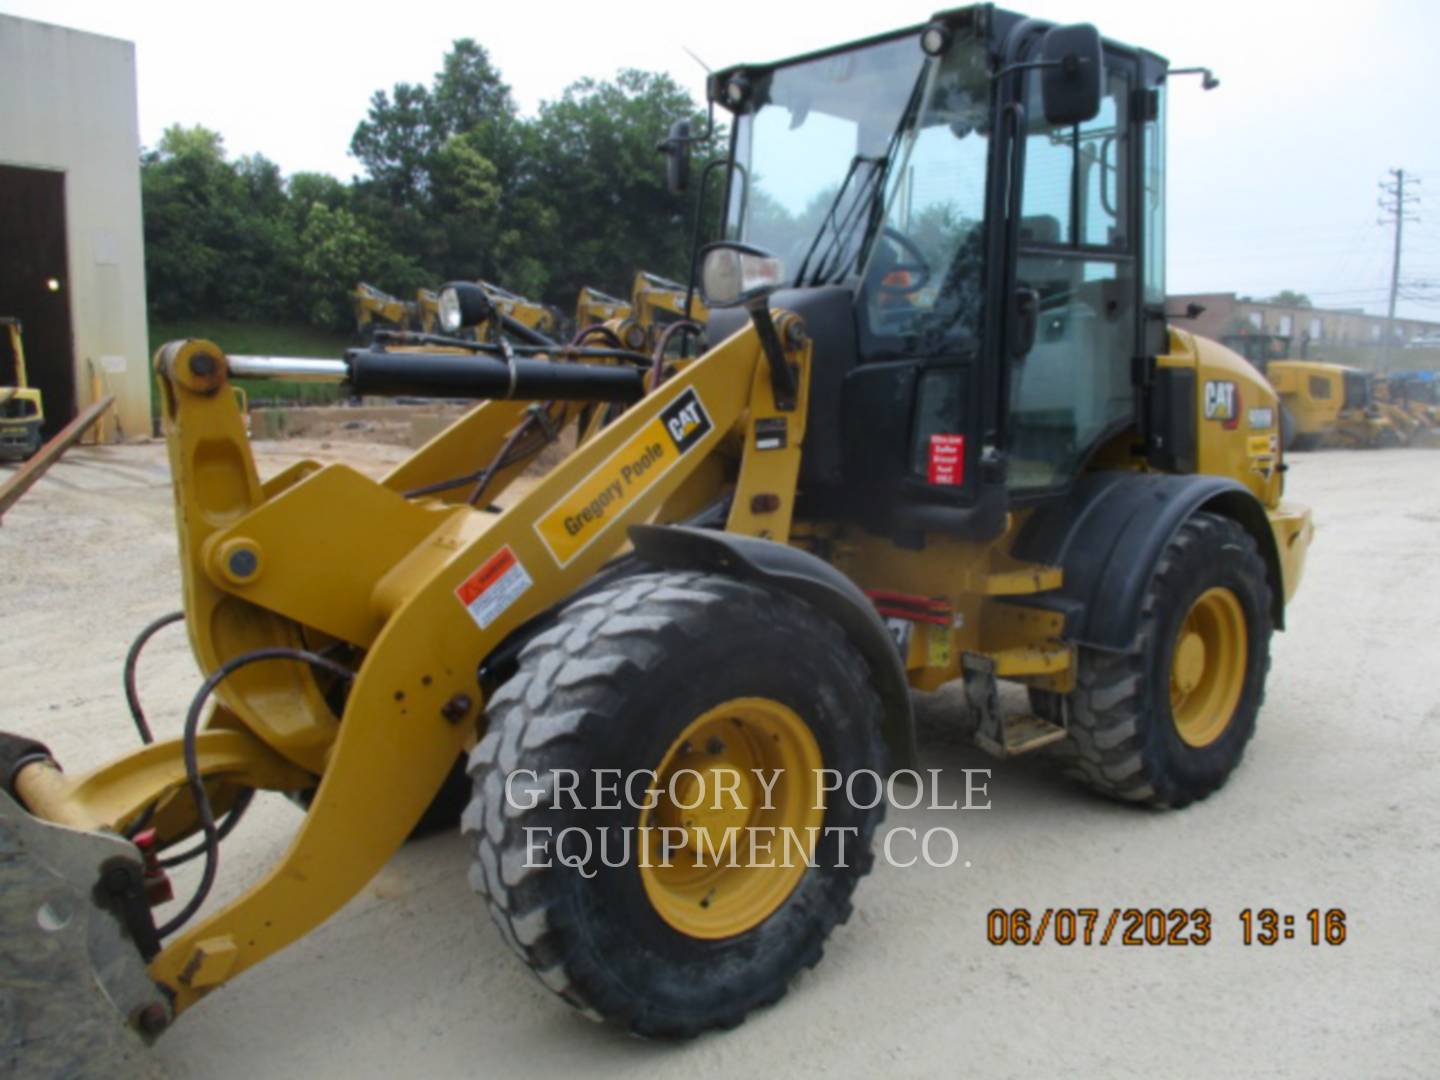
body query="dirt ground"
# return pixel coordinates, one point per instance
(1336, 805)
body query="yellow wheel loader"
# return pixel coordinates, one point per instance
(376, 309)
(22, 412)
(1330, 405)
(427, 311)
(943, 433)
(658, 304)
(657, 309)
(1407, 402)
(593, 307)
(527, 313)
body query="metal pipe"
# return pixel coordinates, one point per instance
(293, 368)
(459, 376)
(527, 334)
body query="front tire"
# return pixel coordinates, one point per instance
(1167, 723)
(658, 671)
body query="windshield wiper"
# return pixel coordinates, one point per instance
(866, 207)
(838, 229)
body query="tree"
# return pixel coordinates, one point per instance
(469, 94)
(1289, 298)
(595, 162)
(201, 237)
(443, 166)
(395, 141)
(336, 252)
(456, 186)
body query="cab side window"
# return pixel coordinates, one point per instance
(1075, 252)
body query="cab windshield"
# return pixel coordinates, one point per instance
(868, 168)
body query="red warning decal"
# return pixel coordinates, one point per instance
(947, 459)
(490, 590)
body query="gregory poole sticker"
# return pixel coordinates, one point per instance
(489, 591)
(585, 512)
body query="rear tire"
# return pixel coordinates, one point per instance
(613, 684)
(1135, 734)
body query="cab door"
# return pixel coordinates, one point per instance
(1076, 258)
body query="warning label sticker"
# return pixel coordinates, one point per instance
(947, 459)
(1262, 445)
(489, 591)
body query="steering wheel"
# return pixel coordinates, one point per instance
(917, 269)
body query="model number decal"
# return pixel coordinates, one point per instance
(1262, 418)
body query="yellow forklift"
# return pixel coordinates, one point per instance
(22, 413)
(943, 431)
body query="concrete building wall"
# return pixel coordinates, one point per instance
(1226, 313)
(69, 105)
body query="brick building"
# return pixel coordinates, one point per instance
(1228, 313)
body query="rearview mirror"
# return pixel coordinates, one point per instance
(676, 148)
(1072, 73)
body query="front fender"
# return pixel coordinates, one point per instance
(810, 579)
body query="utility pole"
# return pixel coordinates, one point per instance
(1393, 200)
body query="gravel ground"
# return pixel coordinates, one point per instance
(1336, 805)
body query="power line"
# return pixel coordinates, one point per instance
(1394, 201)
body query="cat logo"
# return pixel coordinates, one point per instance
(686, 421)
(1222, 402)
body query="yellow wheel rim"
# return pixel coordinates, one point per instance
(717, 856)
(1207, 667)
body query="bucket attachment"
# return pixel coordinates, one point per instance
(75, 998)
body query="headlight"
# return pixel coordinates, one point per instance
(935, 39)
(448, 310)
(461, 305)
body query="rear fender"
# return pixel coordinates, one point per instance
(1108, 533)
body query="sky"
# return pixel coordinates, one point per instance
(1272, 177)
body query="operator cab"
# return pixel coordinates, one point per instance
(969, 215)
(1359, 393)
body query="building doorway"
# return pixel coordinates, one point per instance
(35, 284)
